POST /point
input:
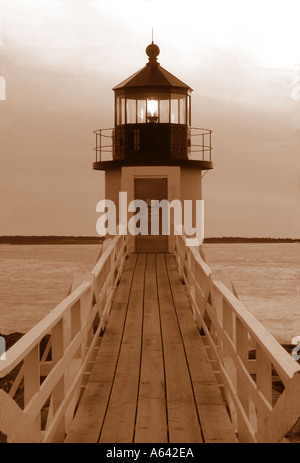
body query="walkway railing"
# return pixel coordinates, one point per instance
(230, 332)
(198, 143)
(50, 380)
(41, 402)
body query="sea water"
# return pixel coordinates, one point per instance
(35, 278)
(266, 277)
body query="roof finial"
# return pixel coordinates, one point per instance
(152, 34)
(152, 51)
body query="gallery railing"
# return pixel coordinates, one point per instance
(198, 144)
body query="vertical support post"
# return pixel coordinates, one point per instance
(59, 389)
(100, 147)
(112, 276)
(263, 379)
(32, 377)
(227, 319)
(227, 360)
(75, 319)
(217, 306)
(242, 352)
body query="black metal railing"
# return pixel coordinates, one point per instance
(105, 142)
(198, 144)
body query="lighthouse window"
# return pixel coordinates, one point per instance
(174, 111)
(189, 110)
(123, 111)
(178, 108)
(141, 111)
(120, 107)
(131, 111)
(164, 111)
(182, 110)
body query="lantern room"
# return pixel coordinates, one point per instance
(152, 123)
(152, 114)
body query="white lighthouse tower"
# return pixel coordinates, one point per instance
(153, 152)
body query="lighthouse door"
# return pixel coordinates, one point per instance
(148, 189)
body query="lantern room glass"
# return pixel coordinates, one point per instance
(120, 110)
(160, 107)
(178, 108)
(164, 111)
(131, 111)
(141, 111)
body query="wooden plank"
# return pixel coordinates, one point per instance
(181, 408)
(119, 421)
(88, 420)
(215, 422)
(169, 324)
(151, 423)
(164, 398)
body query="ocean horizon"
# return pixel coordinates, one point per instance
(34, 279)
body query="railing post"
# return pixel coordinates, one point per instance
(112, 268)
(227, 360)
(263, 380)
(100, 146)
(97, 135)
(59, 389)
(75, 319)
(227, 319)
(242, 352)
(32, 377)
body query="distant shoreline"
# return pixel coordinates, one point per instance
(36, 240)
(232, 239)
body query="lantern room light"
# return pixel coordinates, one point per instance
(152, 110)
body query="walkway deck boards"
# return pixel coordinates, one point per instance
(152, 380)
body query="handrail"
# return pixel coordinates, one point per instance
(103, 146)
(229, 332)
(54, 378)
(283, 363)
(26, 343)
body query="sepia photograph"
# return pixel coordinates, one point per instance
(150, 225)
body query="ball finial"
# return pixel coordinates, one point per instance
(152, 51)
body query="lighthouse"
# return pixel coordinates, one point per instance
(153, 153)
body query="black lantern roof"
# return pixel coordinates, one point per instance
(152, 75)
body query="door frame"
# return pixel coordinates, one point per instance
(164, 240)
(173, 176)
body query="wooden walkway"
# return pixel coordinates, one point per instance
(152, 380)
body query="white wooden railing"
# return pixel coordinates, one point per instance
(230, 331)
(50, 382)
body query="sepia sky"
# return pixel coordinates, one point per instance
(61, 58)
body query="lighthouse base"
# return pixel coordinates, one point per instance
(148, 183)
